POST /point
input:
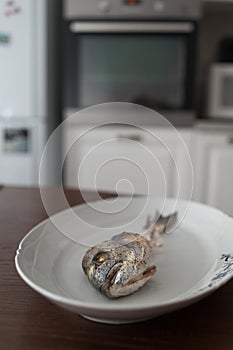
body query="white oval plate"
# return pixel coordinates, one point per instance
(196, 259)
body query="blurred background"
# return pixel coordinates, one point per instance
(174, 56)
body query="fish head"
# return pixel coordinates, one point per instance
(127, 280)
(111, 269)
(102, 262)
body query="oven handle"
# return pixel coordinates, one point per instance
(120, 27)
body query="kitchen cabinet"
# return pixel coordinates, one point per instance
(121, 157)
(129, 160)
(102, 158)
(213, 168)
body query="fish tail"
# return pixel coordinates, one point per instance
(164, 222)
(159, 226)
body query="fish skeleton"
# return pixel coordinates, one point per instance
(120, 266)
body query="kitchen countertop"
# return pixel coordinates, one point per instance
(184, 120)
(214, 124)
(29, 321)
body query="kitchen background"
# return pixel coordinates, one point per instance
(46, 73)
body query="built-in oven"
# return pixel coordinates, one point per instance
(131, 51)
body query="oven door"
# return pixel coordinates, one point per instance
(148, 63)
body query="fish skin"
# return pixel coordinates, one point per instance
(120, 266)
(127, 257)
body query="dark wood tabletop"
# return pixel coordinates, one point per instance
(29, 321)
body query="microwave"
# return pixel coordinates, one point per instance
(220, 94)
(130, 52)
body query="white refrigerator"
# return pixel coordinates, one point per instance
(24, 120)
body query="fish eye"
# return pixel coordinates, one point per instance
(99, 259)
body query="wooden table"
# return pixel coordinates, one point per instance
(29, 321)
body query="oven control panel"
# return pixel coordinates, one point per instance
(120, 9)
